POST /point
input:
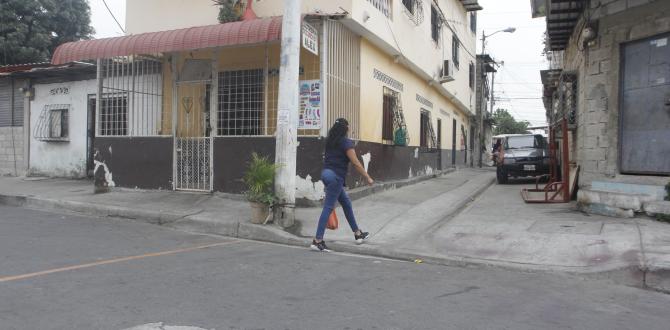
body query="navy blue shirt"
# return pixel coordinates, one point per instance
(336, 158)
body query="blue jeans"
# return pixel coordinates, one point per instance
(334, 192)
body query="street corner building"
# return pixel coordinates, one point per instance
(608, 88)
(182, 101)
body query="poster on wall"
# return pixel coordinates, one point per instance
(310, 104)
(310, 38)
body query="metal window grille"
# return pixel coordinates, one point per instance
(472, 75)
(414, 10)
(132, 92)
(384, 6)
(427, 139)
(113, 116)
(53, 123)
(455, 48)
(435, 24)
(390, 102)
(566, 99)
(473, 22)
(241, 102)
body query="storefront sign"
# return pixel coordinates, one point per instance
(310, 104)
(310, 38)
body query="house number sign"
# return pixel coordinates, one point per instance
(60, 91)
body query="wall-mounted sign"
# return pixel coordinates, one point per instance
(386, 79)
(310, 105)
(424, 101)
(310, 38)
(60, 91)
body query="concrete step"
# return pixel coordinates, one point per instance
(620, 200)
(656, 193)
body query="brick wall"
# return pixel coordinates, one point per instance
(11, 151)
(595, 143)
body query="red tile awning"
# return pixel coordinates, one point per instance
(248, 32)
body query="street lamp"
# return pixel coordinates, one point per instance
(482, 109)
(484, 36)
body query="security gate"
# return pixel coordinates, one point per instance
(645, 121)
(193, 145)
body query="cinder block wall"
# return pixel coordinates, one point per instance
(11, 151)
(595, 144)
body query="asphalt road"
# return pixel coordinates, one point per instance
(70, 272)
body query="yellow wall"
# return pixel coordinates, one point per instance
(372, 100)
(244, 58)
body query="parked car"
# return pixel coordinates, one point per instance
(521, 155)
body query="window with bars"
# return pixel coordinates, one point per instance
(424, 129)
(58, 123)
(241, 102)
(409, 5)
(455, 48)
(472, 75)
(435, 24)
(390, 102)
(473, 22)
(114, 116)
(53, 123)
(439, 133)
(384, 6)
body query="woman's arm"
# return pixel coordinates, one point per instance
(351, 153)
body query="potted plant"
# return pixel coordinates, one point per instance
(259, 182)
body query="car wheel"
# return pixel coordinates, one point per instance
(501, 175)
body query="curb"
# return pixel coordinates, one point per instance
(152, 217)
(364, 191)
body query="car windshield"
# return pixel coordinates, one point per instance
(521, 142)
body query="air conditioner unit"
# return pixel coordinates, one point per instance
(447, 72)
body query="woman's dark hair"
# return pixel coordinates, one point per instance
(337, 133)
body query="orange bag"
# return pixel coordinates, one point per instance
(332, 221)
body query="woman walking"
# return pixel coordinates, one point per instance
(339, 152)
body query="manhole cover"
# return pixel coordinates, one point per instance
(566, 227)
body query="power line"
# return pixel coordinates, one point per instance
(114, 17)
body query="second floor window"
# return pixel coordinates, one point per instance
(455, 48)
(409, 4)
(435, 24)
(472, 75)
(473, 22)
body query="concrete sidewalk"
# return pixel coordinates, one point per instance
(454, 219)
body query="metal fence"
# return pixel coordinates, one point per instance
(342, 76)
(132, 97)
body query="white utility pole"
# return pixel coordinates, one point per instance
(287, 116)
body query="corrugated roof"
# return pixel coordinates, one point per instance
(22, 67)
(247, 32)
(562, 16)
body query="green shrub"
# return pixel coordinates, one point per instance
(259, 180)
(229, 10)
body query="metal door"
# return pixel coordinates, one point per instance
(645, 117)
(193, 145)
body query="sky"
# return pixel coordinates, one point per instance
(102, 20)
(517, 82)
